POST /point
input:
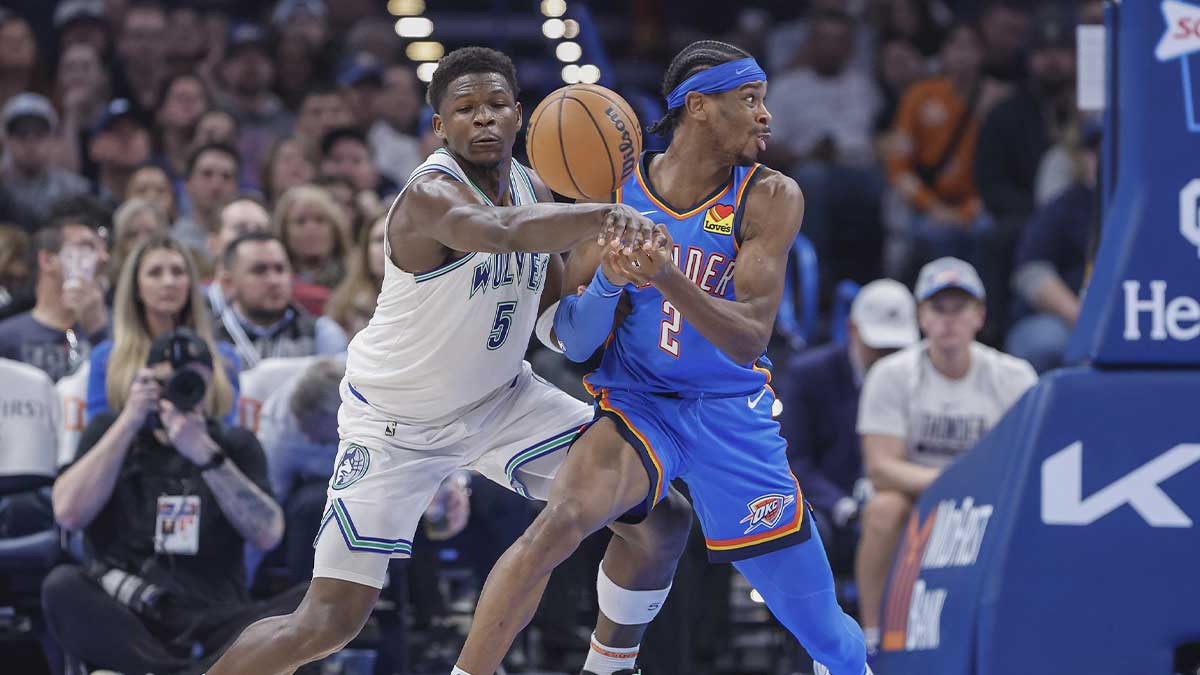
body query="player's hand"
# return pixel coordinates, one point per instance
(611, 269)
(142, 399)
(626, 229)
(643, 266)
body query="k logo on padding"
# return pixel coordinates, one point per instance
(352, 467)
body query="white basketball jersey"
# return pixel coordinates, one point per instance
(443, 340)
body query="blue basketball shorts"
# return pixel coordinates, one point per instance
(729, 452)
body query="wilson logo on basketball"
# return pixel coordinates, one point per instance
(766, 511)
(719, 219)
(626, 147)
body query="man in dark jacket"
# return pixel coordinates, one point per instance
(820, 410)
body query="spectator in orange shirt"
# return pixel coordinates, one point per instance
(931, 151)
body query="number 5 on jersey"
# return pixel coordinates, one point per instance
(669, 331)
(500, 326)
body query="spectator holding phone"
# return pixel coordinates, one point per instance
(70, 315)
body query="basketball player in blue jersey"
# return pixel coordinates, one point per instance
(437, 382)
(683, 387)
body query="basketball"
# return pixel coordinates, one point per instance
(584, 140)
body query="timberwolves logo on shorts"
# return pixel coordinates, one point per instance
(767, 511)
(352, 466)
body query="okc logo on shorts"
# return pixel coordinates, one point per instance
(767, 511)
(352, 467)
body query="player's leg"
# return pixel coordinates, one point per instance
(528, 454)
(601, 479)
(883, 519)
(375, 501)
(633, 582)
(753, 515)
(330, 616)
(797, 586)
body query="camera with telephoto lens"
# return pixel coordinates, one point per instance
(184, 389)
(131, 590)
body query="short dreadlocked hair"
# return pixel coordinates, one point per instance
(698, 56)
(465, 61)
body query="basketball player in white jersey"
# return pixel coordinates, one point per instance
(436, 381)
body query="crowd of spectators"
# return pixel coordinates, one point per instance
(217, 174)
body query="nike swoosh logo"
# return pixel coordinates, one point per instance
(739, 71)
(753, 402)
(646, 213)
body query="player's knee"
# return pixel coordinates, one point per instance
(565, 521)
(672, 524)
(885, 513)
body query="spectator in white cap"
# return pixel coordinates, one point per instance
(26, 173)
(923, 407)
(820, 407)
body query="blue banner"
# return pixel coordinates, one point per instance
(1143, 303)
(1064, 543)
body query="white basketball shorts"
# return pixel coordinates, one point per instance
(517, 437)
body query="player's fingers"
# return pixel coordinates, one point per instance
(648, 231)
(606, 232)
(660, 240)
(617, 236)
(621, 262)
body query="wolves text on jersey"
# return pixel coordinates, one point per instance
(505, 269)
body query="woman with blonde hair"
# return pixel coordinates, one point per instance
(353, 302)
(315, 233)
(158, 290)
(135, 222)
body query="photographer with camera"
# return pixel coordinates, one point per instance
(158, 290)
(166, 495)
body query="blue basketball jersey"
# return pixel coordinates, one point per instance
(656, 350)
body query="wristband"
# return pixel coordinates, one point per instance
(604, 287)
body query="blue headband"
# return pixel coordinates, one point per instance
(717, 79)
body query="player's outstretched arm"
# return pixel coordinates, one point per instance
(740, 328)
(584, 320)
(448, 212)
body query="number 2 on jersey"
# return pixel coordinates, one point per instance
(500, 326)
(669, 331)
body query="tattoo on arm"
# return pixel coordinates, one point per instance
(253, 513)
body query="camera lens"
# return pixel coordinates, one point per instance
(185, 389)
